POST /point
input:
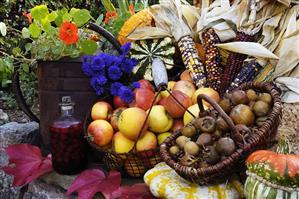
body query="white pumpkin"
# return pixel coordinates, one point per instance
(164, 182)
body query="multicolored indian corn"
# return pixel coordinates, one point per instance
(192, 61)
(248, 72)
(234, 62)
(213, 65)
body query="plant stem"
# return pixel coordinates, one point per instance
(109, 7)
(123, 6)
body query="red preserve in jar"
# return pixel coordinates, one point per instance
(68, 146)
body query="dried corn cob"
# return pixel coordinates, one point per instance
(247, 73)
(192, 61)
(234, 62)
(213, 59)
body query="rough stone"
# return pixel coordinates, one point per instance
(40, 190)
(63, 181)
(13, 132)
(3, 117)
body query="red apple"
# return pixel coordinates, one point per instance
(118, 102)
(186, 76)
(115, 117)
(177, 125)
(184, 86)
(162, 101)
(100, 132)
(146, 85)
(101, 111)
(175, 109)
(143, 98)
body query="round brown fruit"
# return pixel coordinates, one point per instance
(251, 94)
(225, 146)
(217, 134)
(204, 139)
(188, 160)
(191, 148)
(207, 124)
(189, 131)
(242, 114)
(174, 150)
(181, 141)
(251, 104)
(221, 124)
(239, 97)
(210, 155)
(242, 129)
(261, 108)
(260, 121)
(226, 105)
(266, 97)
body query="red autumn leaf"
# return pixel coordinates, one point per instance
(136, 191)
(92, 181)
(26, 163)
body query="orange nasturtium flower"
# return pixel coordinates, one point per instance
(68, 33)
(28, 15)
(109, 16)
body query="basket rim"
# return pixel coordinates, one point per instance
(192, 172)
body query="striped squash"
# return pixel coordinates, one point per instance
(272, 175)
(164, 182)
(145, 51)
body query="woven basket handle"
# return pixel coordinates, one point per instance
(236, 136)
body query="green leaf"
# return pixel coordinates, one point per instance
(16, 51)
(60, 13)
(34, 30)
(52, 16)
(89, 47)
(25, 67)
(28, 46)
(73, 11)
(46, 24)
(66, 17)
(25, 33)
(39, 12)
(81, 17)
(100, 19)
(1, 65)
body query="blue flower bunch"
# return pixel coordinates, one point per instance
(110, 73)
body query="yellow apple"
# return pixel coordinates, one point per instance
(185, 87)
(169, 87)
(121, 144)
(101, 111)
(100, 132)
(147, 142)
(130, 122)
(161, 137)
(207, 91)
(159, 120)
(194, 110)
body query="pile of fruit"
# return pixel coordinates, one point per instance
(207, 140)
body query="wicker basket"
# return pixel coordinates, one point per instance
(132, 164)
(257, 140)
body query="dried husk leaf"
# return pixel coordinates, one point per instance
(248, 48)
(290, 88)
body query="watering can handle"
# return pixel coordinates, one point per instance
(16, 76)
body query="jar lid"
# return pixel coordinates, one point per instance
(66, 101)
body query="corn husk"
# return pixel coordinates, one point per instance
(290, 89)
(248, 48)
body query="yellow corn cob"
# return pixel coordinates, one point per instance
(192, 61)
(140, 19)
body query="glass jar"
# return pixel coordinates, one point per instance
(68, 146)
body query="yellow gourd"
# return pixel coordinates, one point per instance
(164, 182)
(140, 19)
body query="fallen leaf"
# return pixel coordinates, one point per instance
(136, 191)
(92, 181)
(26, 163)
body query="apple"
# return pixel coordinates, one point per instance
(162, 102)
(101, 111)
(186, 76)
(121, 144)
(147, 142)
(145, 84)
(131, 121)
(184, 86)
(143, 98)
(161, 137)
(159, 120)
(170, 85)
(207, 91)
(174, 108)
(177, 125)
(194, 109)
(118, 102)
(100, 132)
(115, 117)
